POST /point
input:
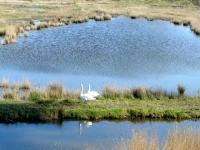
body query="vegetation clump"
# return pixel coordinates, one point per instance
(54, 90)
(181, 90)
(26, 84)
(4, 83)
(9, 94)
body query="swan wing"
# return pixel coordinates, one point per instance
(94, 93)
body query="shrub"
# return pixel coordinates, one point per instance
(139, 92)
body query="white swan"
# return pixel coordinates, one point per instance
(86, 96)
(93, 93)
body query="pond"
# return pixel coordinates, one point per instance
(122, 51)
(76, 135)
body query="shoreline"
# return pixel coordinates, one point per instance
(15, 19)
(54, 110)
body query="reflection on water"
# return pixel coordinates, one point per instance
(84, 124)
(101, 135)
(121, 51)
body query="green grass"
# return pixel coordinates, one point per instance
(50, 109)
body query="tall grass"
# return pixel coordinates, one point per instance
(54, 90)
(4, 83)
(181, 90)
(9, 94)
(10, 35)
(177, 139)
(26, 84)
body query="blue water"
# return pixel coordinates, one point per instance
(67, 135)
(122, 51)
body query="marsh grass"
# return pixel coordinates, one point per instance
(9, 94)
(10, 35)
(37, 95)
(71, 94)
(177, 139)
(54, 90)
(2, 31)
(4, 83)
(26, 84)
(181, 90)
(26, 34)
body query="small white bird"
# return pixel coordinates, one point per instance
(86, 96)
(93, 93)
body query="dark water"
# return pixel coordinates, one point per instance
(69, 135)
(122, 51)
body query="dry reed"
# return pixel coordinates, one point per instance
(10, 35)
(9, 94)
(2, 31)
(4, 83)
(181, 90)
(177, 139)
(54, 90)
(26, 84)
(25, 34)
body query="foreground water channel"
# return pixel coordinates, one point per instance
(76, 135)
(122, 51)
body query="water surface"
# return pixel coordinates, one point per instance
(68, 135)
(121, 51)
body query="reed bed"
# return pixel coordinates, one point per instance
(9, 94)
(4, 83)
(26, 84)
(10, 35)
(177, 139)
(54, 90)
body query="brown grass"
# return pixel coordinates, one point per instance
(9, 94)
(69, 94)
(10, 35)
(4, 83)
(26, 84)
(54, 90)
(177, 139)
(181, 90)
(107, 17)
(25, 34)
(2, 31)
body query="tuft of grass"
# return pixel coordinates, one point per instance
(54, 90)
(2, 31)
(177, 139)
(36, 95)
(26, 84)
(4, 83)
(71, 94)
(27, 28)
(9, 94)
(181, 90)
(25, 34)
(111, 92)
(10, 35)
(99, 18)
(139, 92)
(107, 17)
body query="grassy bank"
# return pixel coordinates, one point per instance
(21, 101)
(103, 108)
(21, 14)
